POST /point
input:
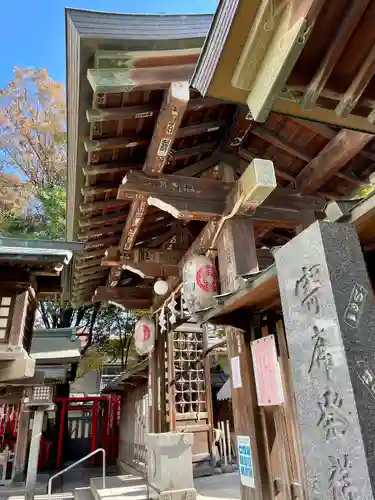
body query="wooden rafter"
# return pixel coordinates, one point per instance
(240, 127)
(169, 119)
(358, 85)
(345, 30)
(331, 159)
(167, 125)
(126, 80)
(290, 33)
(199, 167)
(328, 133)
(100, 231)
(123, 113)
(87, 264)
(121, 293)
(94, 206)
(99, 220)
(108, 168)
(143, 110)
(136, 140)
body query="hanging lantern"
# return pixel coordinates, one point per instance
(144, 336)
(199, 283)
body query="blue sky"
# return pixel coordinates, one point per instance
(33, 32)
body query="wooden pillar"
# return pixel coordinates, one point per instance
(161, 360)
(153, 387)
(207, 381)
(236, 255)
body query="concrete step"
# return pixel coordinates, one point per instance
(119, 487)
(83, 494)
(54, 496)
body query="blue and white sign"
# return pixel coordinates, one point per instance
(245, 461)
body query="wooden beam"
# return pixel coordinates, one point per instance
(124, 113)
(79, 286)
(146, 262)
(144, 110)
(335, 49)
(167, 125)
(199, 167)
(108, 168)
(279, 50)
(100, 231)
(122, 142)
(201, 149)
(91, 254)
(98, 220)
(240, 127)
(135, 141)
(121, 293)
(358, 85)
(79, 280)
(98, 269)
(137, 183)
(331, 159)
(117, 80)
(183, 191)
(87, 264)
(144, 58)
(106, 242)
(108, 187)
(279, 143)
(162, 238)
(93, 206)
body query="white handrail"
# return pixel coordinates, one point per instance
(73, 465)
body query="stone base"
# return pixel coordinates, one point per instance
(186, 494)
(202, 470)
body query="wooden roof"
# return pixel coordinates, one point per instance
(143, 155)
(321, 52)
(39, 263)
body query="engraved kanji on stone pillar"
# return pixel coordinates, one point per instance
(329, 316)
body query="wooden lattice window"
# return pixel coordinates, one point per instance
(189, 373)
(6, 306)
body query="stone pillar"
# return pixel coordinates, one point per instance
(32, 468)
(21, 445)
(170, 469)
(329, 317)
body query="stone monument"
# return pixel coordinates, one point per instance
(329, 316)
(170, 469)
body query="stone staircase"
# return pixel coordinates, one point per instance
(116, 488)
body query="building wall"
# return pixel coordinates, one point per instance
(133, 428)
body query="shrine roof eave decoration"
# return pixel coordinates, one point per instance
(333, 85)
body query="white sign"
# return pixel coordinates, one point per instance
(236, 372)
(267, 371)
(245, 461)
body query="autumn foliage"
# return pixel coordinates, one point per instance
(32, 155)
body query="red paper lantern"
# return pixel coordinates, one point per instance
(199, 283)
(144, 336)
